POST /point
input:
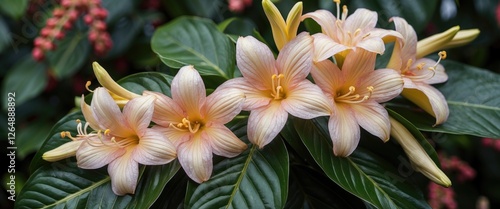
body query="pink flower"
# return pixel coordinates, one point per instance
(356, 91)
(195, 122)
(122, 140)
(274, 88)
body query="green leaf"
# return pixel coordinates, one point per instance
(254, 179)
(5, 37)
(363, 173)
(14, 8)
(117, 9)
(195, 41)
(27, 79)
(151, 81)
(123, 33)
(70, 55)
(200, 8)
(473, 99)
(26, 143)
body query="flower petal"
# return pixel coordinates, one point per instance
(438, 74)
(166, 110)
(195, 157)
(108, 114)
(325, 47)
(409, 39)
(223, 105)
(429, 99)
(327, 76)
(265, 123)
(386, 83)
(372, 44)
(363, 19)
(256, 62)
(124, 174)
(188, 90)
(307, 101)
(64, 151)
(325, 19)
(295, 59)
(374, 118)
(176, 137)
(277, 22)
(154, 149)
(344, 131)
(357, 64)
(93, 154)
(223, 141)
(138, 113)
(254, 98)
(88, 114)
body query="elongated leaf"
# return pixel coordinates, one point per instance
(254, 179)
(69, 55)
(473, 99)
(195, 41)
(362, 173)
(26, 79)
(14, 8)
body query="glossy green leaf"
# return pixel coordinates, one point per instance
(254, 179)
(26, 143)
(195, 41)
(151, 81)
(117, 9)
(70, 55)
(363, 173)
(14, 8)
(5, 37)
(26, 79)
(473, 99)
(200, 8)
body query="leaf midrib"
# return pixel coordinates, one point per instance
(466, 104)
(240, 178)
(91, 187)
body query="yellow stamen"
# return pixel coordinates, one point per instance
(87, 85)
(186, 125)
(277, 89)
(352, 98)
(337, 2)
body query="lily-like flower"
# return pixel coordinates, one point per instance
(283, 31)
(274, 88)
(195, 122)
(419, 159)
(342, 34)
(67, 149)
(356, 91)
(419, 74)
(121, 140)
(119, 94)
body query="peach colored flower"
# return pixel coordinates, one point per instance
(195, 122)
(356, 91)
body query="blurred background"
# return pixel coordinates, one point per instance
(47, 48)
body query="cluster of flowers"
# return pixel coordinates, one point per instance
(190, 126)
(64, 17)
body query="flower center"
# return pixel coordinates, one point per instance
(277, 89)
(416, 74)
(352, 98)
(187, 125)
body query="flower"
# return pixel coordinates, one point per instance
(195, 122)
(122, 140)
(67, 149)
(419, 74)
(419, 159)
(342, 33)
(274, 88)
(356, 91)
(283, 31)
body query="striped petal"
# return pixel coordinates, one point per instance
(154, 149)
(344, 131)
(265, 123)
(188, 90)
(325, 19)
(256, 62)
(374, 118)
(363, 19)
(166, 110)
(325, 47)
(254, 98)
(223, 105)
(386, 83)
(429, 99)
(295, 59)
(223, 141)
(108, 114)
(307, 101)
(124, 174)
(138, 113)
(327, 76)
(195, 156)
(92, 154)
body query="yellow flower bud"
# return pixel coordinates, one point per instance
(118, 92)
(283, 31)
(419, 159)
(463, 37)
(62, 152)
(435, 42)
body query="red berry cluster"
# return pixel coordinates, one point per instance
(63, 19)
(489, 142)
(239, 5)
(441, 197)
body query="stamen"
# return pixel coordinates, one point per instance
(352, 98)
(176, 127)
(344, 12)
(277, 89)
(87, 86)
(186, 125)
(338, 7)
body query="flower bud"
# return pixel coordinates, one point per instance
(106, 81)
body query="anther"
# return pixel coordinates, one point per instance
(87, 85)
(337, 2)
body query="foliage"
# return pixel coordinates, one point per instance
(153, 39)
